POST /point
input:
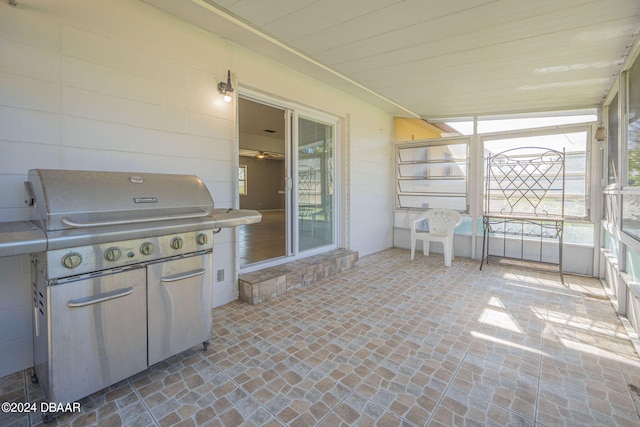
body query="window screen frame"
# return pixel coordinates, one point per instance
(446, 163)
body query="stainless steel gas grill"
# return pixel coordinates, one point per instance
(125, 281)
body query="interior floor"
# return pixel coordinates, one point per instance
(264, 240)
(390, 342)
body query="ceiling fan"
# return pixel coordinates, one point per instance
(258, 154)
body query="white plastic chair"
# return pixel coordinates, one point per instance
(442, 223)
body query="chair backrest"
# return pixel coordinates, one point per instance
(443, 221)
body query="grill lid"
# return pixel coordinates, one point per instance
(71, 199)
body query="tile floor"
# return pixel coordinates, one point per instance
(390, 342)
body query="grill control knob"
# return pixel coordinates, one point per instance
(176, 243)
(112, 254)
(71, 260)
(146, 248)
(202, 239)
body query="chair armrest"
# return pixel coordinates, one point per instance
(416, 221)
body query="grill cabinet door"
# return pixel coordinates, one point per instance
(179, 304)
(97, 333)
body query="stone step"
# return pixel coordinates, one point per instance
(272, 282)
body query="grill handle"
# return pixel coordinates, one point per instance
(182, 276)
(83, 302)
(72, 223)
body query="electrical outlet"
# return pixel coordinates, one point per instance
(220, 275)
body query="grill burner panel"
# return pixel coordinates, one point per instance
(94, 258)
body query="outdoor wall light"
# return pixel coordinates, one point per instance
(225, 88)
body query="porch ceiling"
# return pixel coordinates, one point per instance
(432, 58)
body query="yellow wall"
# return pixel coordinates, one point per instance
(409, 129)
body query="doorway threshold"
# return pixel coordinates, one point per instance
(272, 282)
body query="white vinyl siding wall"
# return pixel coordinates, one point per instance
(120, 85)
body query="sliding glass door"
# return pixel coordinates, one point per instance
(287, 172)
(315, 184)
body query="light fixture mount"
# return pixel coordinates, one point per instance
(225, 88)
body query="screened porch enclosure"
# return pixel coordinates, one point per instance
(451, 172)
